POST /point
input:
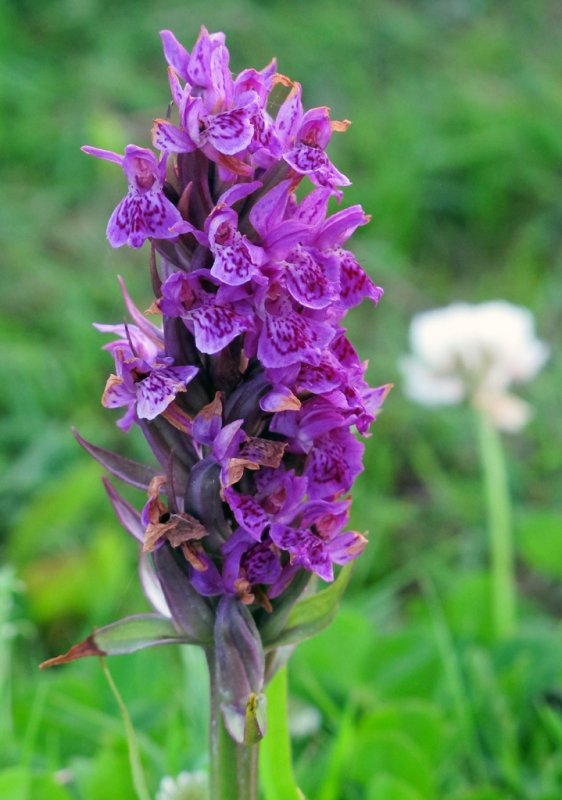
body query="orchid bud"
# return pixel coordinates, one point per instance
(240, 668)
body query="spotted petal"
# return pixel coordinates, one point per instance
(289, 116)
(231, 131)
(291, 338)
(261, 564)
(170, 139)
(312, 161)
(333, 464)
(311, 284)
(142, 216)
(159, 388)
(214, 326)
(306, 549)
(323, 377)
(247, 512)
(355, 283)
(237, 262)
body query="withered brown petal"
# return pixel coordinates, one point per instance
(264, 452)
(185, 528)
(81, 650)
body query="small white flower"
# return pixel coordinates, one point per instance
(187, 786)
(474, 352)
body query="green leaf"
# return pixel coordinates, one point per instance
(122, 637)
(312, 614)
(276, 771)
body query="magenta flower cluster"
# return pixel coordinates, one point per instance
(249, 393)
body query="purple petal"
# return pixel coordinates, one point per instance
(116, 393)
(214, 327)
(159, 388)
(151, 331)
(238, 192)
(305, 548)
(141, 167)
(177, 295)
(229, 440)
(208, 422)
(208, 582)
(268, 212)
(237, 262)
(355, 283)
(261, 564)
(280, 398)
(106, 155)
(284, 237)
(186, 227)
(333, 464)
(233, 550)
(127, 515)
(221, 77)
(175, 53)
(176, 90)
(315, 127)
(247, 512)
(168, 137)
(345, 547)
(345, 352)
(291, 338)
(312, 161)
(231, 131)
(289, 116)
(307, 281)
(323, 377)
(312, 208)
(140, 216)
(340, 226)
(200, 59)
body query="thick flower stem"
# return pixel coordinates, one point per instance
(500, 529)
(233, 767)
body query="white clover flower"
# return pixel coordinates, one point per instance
(187, 786)
(474, 353)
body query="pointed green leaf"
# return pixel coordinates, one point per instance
(312, 614)
(276, 768)
(124, 636)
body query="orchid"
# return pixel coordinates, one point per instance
(241, 378)
(145, 211)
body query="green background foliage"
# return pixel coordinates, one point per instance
(456, 151)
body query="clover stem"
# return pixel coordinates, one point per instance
(498, 504)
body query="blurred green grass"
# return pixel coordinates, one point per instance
(455, 149)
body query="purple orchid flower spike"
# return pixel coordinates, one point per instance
(145, 212)
(252, 399)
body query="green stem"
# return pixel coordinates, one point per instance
(278, 779)
(233, 767)
(499, 528)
